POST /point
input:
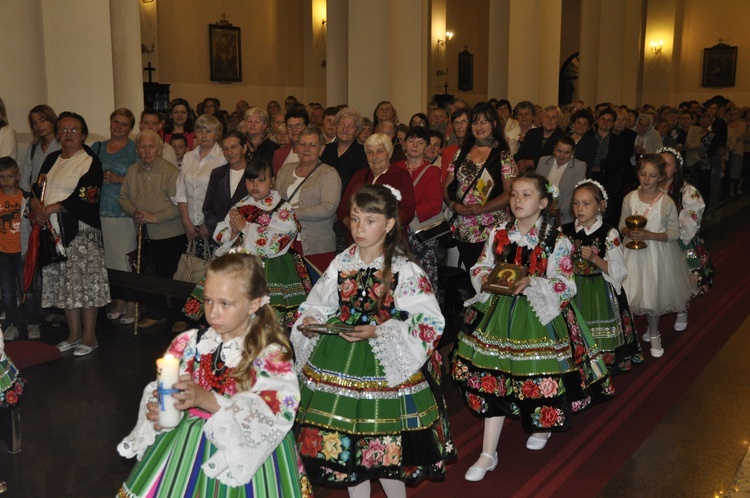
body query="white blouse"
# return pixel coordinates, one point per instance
(192, 182)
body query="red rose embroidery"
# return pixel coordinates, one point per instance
(489, 384)
(530, 390)
(269, 397)
(310, 442)
(547, 416)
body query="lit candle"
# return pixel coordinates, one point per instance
(167, 375)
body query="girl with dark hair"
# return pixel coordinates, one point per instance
(477, 183)
(371, 406)
(528, 354)
(262, 223)
(238, 394)
(690, 208)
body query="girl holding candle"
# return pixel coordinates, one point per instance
(238, 394)
(528, 355)
(598, 270)
(371, 407)
(658, 280)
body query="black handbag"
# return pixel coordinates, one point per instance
(48, 251)
(432, 228)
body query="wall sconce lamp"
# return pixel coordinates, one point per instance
(656, 47)
(448, 38)
(146, 1)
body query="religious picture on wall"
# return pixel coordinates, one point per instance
(719, 65)
(226, 53)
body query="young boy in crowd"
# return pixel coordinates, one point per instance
(180, 145)
(13, 244)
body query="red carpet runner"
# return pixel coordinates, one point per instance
(581, 461)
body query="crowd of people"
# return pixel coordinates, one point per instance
(321, 235)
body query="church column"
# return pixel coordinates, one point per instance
(657, 68)
(407, 56)
(589, 51)
(337, 52)
(126, 55)
(534, 51)
(498, 71)
(368, 55)
(78, 54)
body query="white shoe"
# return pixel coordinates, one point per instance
(657, 351)
(537, 443)
(681, 322)
(477, 473)
(647, 335)
(34, 332)
(11, 333)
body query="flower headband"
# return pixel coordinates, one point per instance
(593, 182)
(553, 190)
(394, 191)
(672, 151)
(265, 300)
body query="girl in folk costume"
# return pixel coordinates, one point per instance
(690, 208)
(238, 393)
(658, 280)
(263, 224)
(599, 269)
(527, 354)
(371, 406)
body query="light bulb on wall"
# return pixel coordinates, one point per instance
(448, 38)
(656, 47)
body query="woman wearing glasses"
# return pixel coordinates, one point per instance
(71, 205)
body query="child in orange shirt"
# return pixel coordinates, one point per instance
(14, 214)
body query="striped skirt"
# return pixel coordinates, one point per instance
(171, 467)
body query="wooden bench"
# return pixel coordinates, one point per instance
(150, 290)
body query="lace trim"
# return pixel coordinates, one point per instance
(231, 351)
(143, 434)
(349, 260)
(250, 431)
(542, 299)
(303, 346)
(391, 349)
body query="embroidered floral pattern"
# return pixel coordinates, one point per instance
(546, 417)
(89, 194)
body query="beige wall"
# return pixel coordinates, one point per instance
(272, 50)
(703, 23)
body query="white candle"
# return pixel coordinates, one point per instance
(167, 375)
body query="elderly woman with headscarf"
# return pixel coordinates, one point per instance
(78, 285)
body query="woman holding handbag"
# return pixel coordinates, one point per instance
(477, 183)
(79, 284)
(428, 197)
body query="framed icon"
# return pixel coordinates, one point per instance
(503, 278)
(719, 66)
(226, 53)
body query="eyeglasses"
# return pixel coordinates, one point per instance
(297, 126)
(72, 131)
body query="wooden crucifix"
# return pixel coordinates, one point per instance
(150, 70)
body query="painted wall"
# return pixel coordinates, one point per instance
(702, 24)
(273, 50)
